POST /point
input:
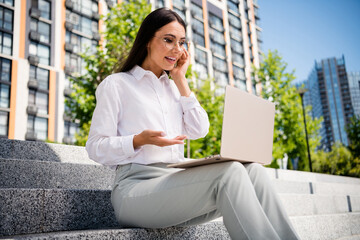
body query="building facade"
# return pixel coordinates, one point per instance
(41, 42)
(354, 85)
(329, 95)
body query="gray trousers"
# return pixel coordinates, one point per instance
(153, 196)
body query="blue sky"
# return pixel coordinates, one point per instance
(304, 31)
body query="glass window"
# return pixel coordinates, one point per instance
(217, 36)
(180, 12)
(234, 21)
(235, 33)
(8, 2)
(70, 129)
(196, 11)
(39, 126)
(216, 22)
(218, 49)
(233, 6)
(6, 19)
(5, 69)
(239, 73)
(199, 39)
(238, 58)
(197, 26)
(200, 56)
(41, 75)
(40, 100)
(240, 84)
(4, 119)
(236, 46)
(45, 9)
(42, 28)
(6, 43)
(221, 78)
(219, 64)
(201, 70)
(4, 95)
(42, 51)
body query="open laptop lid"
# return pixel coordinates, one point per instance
(248, 127)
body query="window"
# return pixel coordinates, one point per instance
(40, 100)
(199, 39)
(41, 75)
(238, 58)
(86, 7)
(235, 33)
(216, 22)
(200, 56)
(236, 46)
(4, 95)
(6, 19)
(239, 73)
(42, 28)
(221, 78)
(180, 12)
(5, 67)
(39, 126)
(217, 36)
(201, 70)
(73, 63)
(196, 11)
(219, 64)
(218, 49)
(45, 9)
(5, 43)
(41, 51)
(233, 6)
(234, 21)
(80, 44)
(197, 26)
(4, 121)
(8, 2)
(240, 84)
(70, 129)
(82, 24)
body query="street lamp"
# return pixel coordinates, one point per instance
(302, 92)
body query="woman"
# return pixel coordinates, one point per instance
(138, 127)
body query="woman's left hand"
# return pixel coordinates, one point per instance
(178, 73)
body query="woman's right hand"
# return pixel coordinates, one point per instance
(156, 138)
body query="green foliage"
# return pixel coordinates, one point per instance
(121, 26)
(289, 133)
(353, 132)
(213, 105)
(338, 162)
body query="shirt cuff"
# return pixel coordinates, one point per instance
(128, 146)
(189, 102)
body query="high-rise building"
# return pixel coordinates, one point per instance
(354, 84)
(329, 95)
(41, 42)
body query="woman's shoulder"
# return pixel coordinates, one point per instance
(116, 79)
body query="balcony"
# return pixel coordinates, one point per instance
(69, 4)
(69, 26)
(35, 12)
(34, 60)
(30, 136)
(31, 110)
(33, 84)
(69, 47)
(35, 36)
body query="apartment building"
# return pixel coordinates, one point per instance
(41, 41)
(329, 95)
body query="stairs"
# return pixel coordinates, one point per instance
(51, 191)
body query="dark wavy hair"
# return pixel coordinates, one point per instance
(151, 24)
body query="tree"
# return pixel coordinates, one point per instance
(289, 133)
(353, 132)
(213, 104)
(121, 26)
(338, 161)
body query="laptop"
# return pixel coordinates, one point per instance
(247, 131)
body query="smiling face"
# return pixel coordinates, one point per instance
(162, 51)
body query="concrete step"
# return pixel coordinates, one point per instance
(322, 227)
(53, 175)
(47, 210)
(40, 151)
(327, 227)
(300, 176)
(325, 188)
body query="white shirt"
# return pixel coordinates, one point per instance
(130, 102)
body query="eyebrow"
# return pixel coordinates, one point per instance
(171, 35)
